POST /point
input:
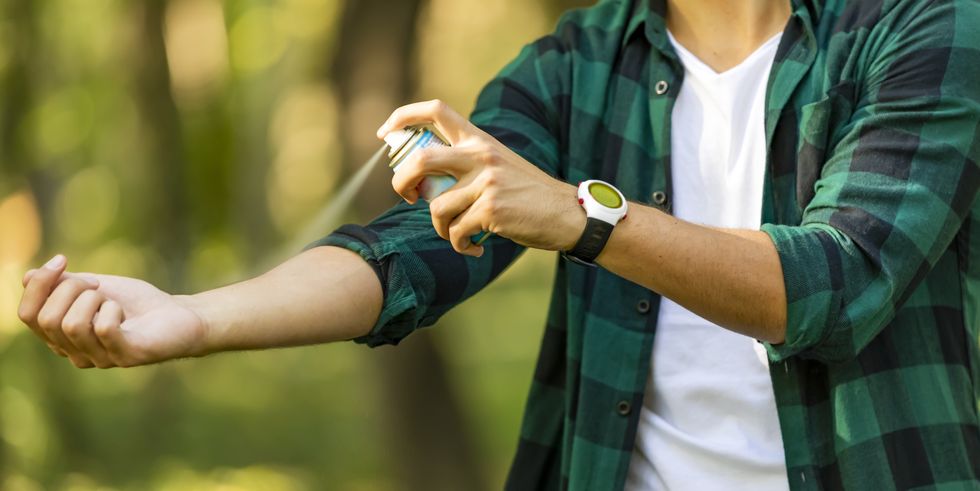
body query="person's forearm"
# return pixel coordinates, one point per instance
(730, 277)
(324, 294)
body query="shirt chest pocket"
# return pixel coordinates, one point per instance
(822, 124)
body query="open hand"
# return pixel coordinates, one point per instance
(108, 321)
(497, 190)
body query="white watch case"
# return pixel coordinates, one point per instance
(597, 210)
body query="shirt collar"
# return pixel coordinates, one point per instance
(651, 15)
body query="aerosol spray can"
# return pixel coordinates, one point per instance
(401, 144)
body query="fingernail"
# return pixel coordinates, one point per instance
(381, 132)
(55, 262)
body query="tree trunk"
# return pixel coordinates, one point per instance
(15, 93)
(165, 218)
(166, 221)
(19, 95)
(430, 447)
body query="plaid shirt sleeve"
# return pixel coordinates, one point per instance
(421, 275)
(899, 179)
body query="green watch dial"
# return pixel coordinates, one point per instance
(605, 195)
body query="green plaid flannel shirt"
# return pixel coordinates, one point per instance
(872, 123)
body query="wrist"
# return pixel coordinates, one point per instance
(604, 207)
(572, 218)
(207, 342)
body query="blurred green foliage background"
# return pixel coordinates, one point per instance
(193, 143)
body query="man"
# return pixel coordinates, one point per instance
(846, 131)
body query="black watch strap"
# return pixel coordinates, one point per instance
(591, 243)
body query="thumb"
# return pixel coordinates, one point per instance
(91, 278)
(55, 266)
(119, 288)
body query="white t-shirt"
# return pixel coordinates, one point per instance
(709, 415)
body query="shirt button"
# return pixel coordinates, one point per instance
(659, 197)
(643, 306)
(661, 87)
(623, 408)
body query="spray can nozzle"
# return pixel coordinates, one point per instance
(397, 139)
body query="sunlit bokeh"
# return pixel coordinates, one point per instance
(304, 132)
(258, 39)
(18, 213)
(197, 48)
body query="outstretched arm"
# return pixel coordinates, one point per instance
(324, 294)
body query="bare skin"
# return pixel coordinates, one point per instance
(329, 294)
(722, 33)
(322, 295)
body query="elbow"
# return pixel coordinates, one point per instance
(776, 334)
(773, 330)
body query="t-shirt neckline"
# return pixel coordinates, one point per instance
(692, 62)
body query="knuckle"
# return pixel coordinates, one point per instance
(398, 183)
(48, 322)
(438, 105)
(74, 328)
(456, 241)
(491, 203)
(437, 209)
(490, 156)
(422, 157)
(102, 328)
(27, 314)
(491, 178)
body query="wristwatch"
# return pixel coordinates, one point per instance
(604, 207)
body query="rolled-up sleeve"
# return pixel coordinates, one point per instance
(422, 277)
(897, 184)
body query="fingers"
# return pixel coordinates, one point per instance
(424, 162)
(449, 123)
(66, 275)
(51, 317)
(27, 276)
(451, 204)
(38, 286)
(79, 328)
(46, 300)
(462, 228)
(108, 330)
(37, 289)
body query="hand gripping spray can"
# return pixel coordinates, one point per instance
(402, 143)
